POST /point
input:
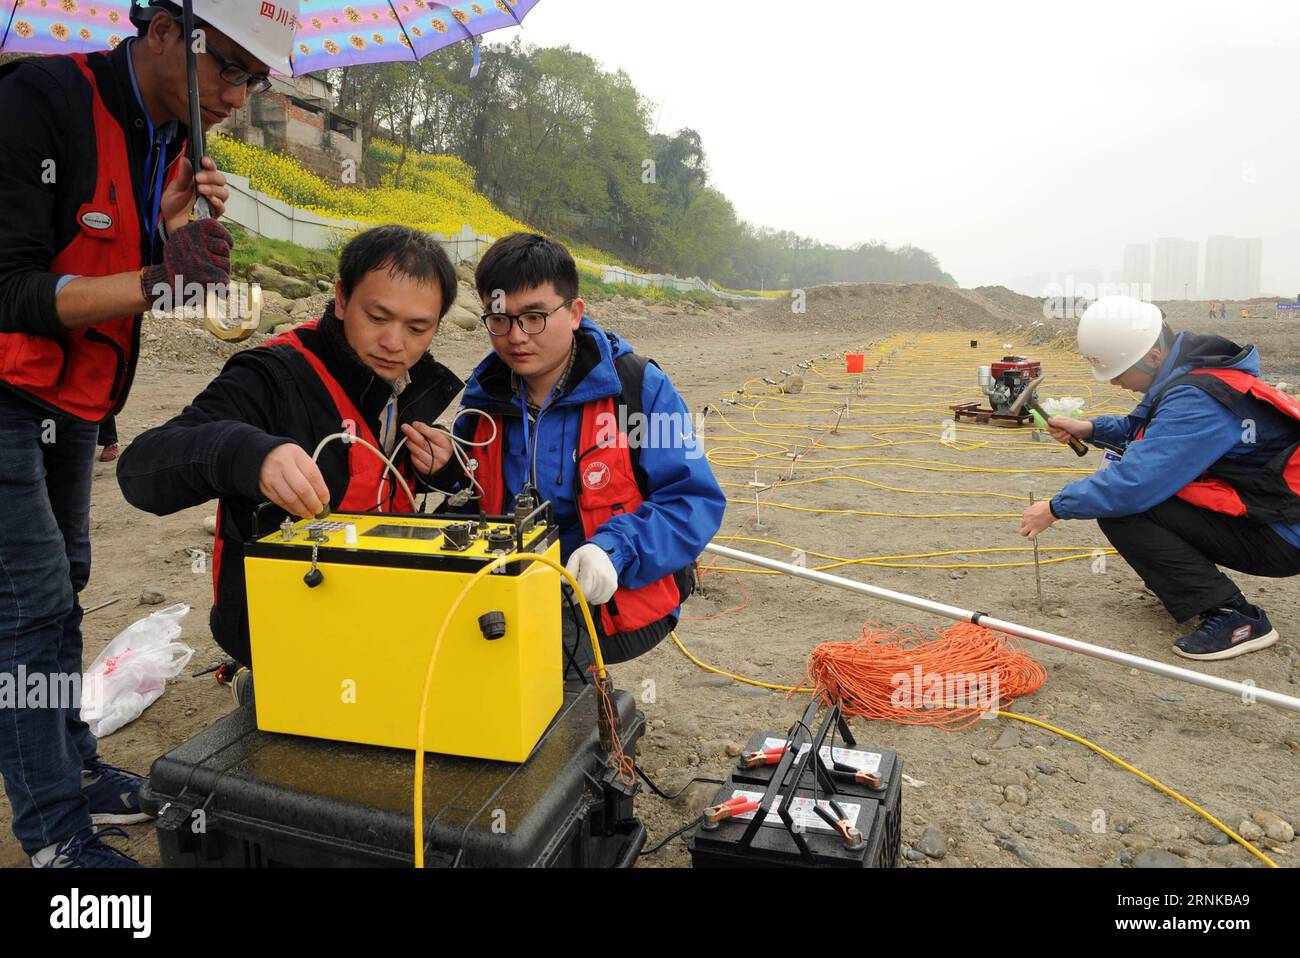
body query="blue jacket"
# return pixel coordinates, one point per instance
(1190, 431)
(684, 505)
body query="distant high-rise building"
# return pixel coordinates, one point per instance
(1173, 274)
(1136, 272)
(1232, 267)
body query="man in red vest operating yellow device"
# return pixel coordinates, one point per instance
(255, 433)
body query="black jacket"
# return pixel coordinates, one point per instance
(48, 159)
(263, 398)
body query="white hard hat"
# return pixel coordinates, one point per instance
(264, 28)
(1116, 332)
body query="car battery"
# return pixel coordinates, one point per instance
(343, 615)
(845, 817)
(773, 844)
(882, 763)
(235, 796)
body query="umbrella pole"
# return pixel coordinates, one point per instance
(213, 305)
(196, 114)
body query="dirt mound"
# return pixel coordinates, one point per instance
(868, 311)
(877, 309)
(1016, 305)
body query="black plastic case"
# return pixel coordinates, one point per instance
(235, 797)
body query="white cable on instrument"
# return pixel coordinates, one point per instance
(457, 451)
(348, 437)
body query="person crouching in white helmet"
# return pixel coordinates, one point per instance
(1209, 474)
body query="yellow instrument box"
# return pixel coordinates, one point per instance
(343, 614)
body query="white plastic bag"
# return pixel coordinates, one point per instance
(1069, 406)
(130, 674)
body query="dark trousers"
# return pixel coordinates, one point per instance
(1176, 547)
(46, 467)
(577, 655)
(108, 432)
(621, 647)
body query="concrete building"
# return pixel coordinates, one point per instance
(1233, 267)
(1173, 274)
(1136, 271)
(296, 117)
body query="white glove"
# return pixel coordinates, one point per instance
(596, 575)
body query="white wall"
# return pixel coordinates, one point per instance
(266, 216)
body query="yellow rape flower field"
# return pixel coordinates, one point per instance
(437, 195)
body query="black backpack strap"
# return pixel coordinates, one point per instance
(631, 376)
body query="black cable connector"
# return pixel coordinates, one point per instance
(492, 625)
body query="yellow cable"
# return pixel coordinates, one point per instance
(487, 570)
(887, 562)
(1149, 780)
(885, 515)
(790, 483)
(731, 675)
(747, 448)
(1032, 721)
(943, 355)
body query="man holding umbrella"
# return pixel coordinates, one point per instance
(95, 206)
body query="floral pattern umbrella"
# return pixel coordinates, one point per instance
(330, 34)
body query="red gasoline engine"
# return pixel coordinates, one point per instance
(1002, 382)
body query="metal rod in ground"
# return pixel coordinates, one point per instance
(1038, 569)
(1237, 689)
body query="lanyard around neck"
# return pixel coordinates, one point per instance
(528, 448)
(529, 478)
(159, 171)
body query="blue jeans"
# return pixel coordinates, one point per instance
(46, 467)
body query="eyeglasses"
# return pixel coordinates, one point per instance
(531, 322)
(236, 75)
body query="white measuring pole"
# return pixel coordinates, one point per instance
(1247, 693)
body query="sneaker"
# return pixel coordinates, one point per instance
(1225, 633)
(241, 685)
(113, 794)
(109, 453)
(85, 850)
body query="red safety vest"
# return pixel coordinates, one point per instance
(85, 372)
(1265, 488)
(367, 476)
(607, 487)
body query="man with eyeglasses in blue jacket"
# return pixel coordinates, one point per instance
(574, 416)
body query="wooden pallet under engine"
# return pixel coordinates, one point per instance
(983, 415)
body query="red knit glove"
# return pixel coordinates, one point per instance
(198, 252)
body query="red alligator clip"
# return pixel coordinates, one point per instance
(732, 807)
(763, 756)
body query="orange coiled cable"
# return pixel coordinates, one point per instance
(906, 676)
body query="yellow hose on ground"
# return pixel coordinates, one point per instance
(1032, 721)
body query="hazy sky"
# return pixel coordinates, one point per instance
(1008, 138)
